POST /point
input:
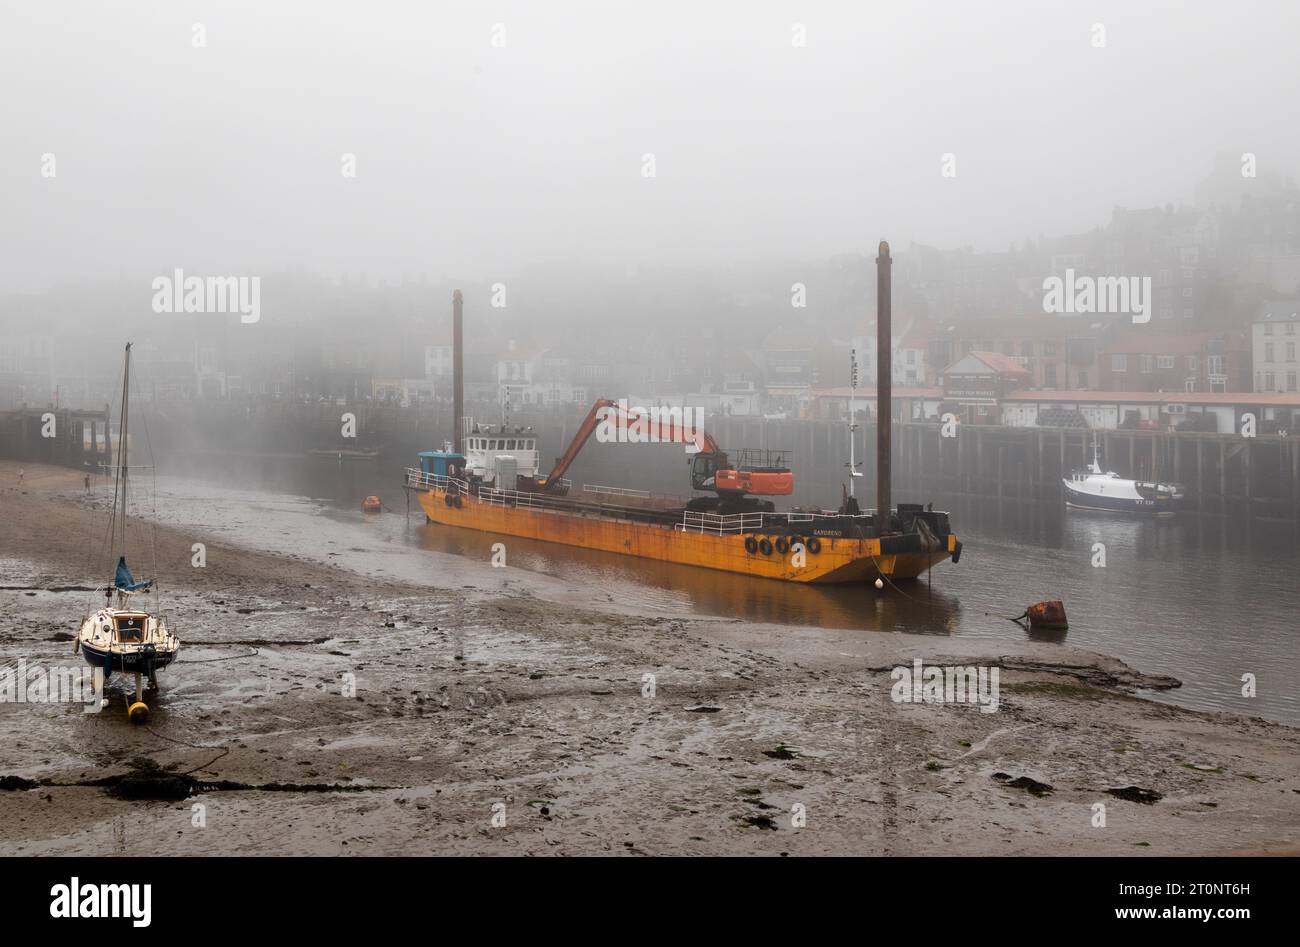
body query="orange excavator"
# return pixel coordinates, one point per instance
(759, 472)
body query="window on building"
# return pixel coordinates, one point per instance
(1189, 313)
(1290, 351)
(1119, 363)
(1268, 351)
(1189, 385)
(1268, 328)
(1049, 376)
(1049, 349)
(1193, 364)
(1027, 349)
(1290, 381)
(1290, 328)
(1165, 361)
(1268, 381)
(1083, 379)
(1145, 363)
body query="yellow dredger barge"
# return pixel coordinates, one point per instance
(796, 546)
(489, 480)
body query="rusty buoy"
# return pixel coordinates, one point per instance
(1047, 615)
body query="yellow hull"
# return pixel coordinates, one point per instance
(839, 560)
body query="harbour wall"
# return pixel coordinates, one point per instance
(1222, 473)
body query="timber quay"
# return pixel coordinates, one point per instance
(62, 436)
(1222, 473)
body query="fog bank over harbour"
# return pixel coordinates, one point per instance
(563, 428)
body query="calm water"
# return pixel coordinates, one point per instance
(1204, 599)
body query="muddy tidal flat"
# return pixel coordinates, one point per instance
(315, 710)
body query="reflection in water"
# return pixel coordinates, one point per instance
(1204, 598)
(650, 584)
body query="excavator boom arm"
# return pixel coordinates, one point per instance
(670, 433)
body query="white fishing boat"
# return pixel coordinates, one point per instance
(1094, 489)
(120, 637)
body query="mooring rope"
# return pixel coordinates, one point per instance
(252, 653)
(225, 750)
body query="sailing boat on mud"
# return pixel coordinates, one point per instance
(120, 636)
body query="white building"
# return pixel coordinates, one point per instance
(908, 358)
(1274, 338)
(437, 361)
(533, 377)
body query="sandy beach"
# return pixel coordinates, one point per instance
(318, 711)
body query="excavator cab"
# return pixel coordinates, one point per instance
(704, 469)
(759, 472)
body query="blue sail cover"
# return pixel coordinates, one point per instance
(125, 581)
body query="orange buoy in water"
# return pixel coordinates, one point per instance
(371, 504)
(1050, 615)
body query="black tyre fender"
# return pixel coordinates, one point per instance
(782, 545)
(814, 545)
(751, 545)
(457, 501)
(765, 546)
(446, 499)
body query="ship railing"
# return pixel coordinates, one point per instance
(530, 501)
(615, 491)
(696, 521)
(720, 523)
(427, 481)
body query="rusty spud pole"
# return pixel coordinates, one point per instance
(884, 388)
(458, 373)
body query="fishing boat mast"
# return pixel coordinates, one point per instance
(854, 473)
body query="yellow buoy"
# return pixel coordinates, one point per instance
(138, 712)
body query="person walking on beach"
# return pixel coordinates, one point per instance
(21, 474)
(87, 483)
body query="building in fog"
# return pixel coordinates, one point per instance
(438, 362)
(909, 363)
(1156, 358)
(1274, 336)
(976, 384)
(1111, 410)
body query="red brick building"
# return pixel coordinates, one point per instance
(1153, 358)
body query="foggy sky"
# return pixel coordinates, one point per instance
(478, 162)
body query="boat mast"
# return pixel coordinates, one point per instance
(122, 448)
(853, 420)
(458, 375)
